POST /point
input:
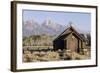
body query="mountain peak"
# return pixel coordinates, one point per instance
(49, 23)
(30, 25)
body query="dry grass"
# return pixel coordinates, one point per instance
(36, 56)
(77, 56)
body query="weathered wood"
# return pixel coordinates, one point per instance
(70, 39)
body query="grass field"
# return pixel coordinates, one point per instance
(30, 55)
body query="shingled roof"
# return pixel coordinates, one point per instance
(67, 31)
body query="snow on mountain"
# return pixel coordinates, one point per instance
(48, 27)
(54, 28)
(30, 27)
(52, 25)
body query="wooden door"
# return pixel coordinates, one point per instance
(72, 44)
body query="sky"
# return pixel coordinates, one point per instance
(79, 19)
